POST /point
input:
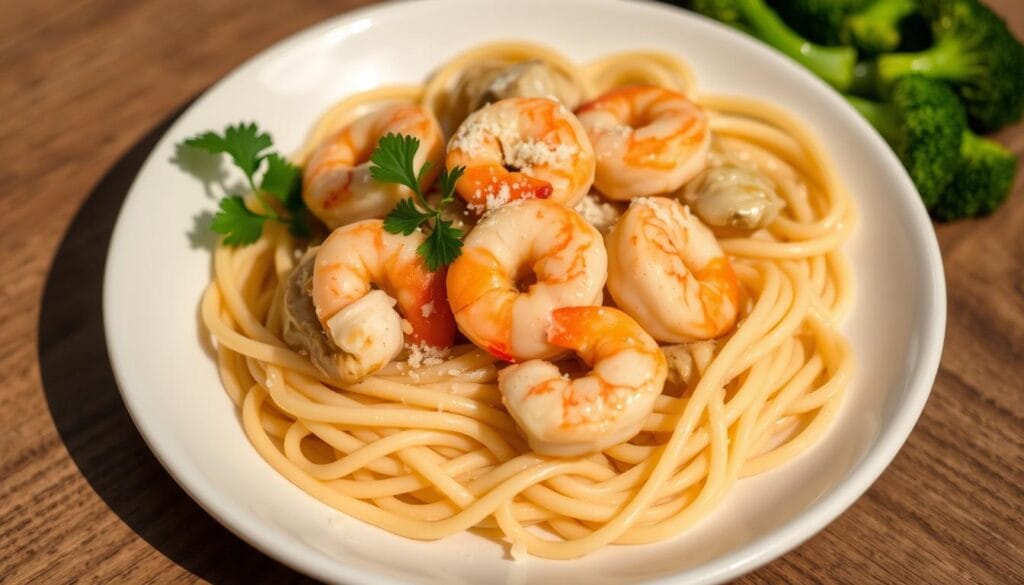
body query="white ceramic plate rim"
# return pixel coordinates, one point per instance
(739, 561)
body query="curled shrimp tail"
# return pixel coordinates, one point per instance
(720, 295)
(485, 187)
(429, 313)
(593, 332)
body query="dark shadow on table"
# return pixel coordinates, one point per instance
(91, 418)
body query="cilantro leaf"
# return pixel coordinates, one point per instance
(405, 218)
(242, 142)
(239, 224)
(442, 246)
(392, 161)
(281, 179)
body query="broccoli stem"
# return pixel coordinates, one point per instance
(865, 79)
(832, 64)
(889, 12)
(948, 59)
(881, 116)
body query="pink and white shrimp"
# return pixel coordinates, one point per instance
(667, 270)
(360, 273)
(570, 417)
(518, 264)
(337, 185)
(647, 140)
(521, 148)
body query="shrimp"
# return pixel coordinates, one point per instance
(521, 148)
(511, 246)
(648, 140)
(337, 185)
(666, 269)
(569, 417)
(362, 321)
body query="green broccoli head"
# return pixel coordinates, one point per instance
(723, 11)
(834, 65)
(923, 122)
(981, 182)
(870, 25)
(933, 122)
(821, 21)
(975, 52)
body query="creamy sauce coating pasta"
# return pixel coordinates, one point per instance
(429, 451)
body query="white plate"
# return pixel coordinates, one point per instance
(154, 280)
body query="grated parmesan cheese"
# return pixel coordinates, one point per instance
(484, 125)
(525, 154)
(421, 354)
(597, 212)
(427, 309)
(496, 200)
(493, 201)
(495, 133)
(667, 214)
(491, 124)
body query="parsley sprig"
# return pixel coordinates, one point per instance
(392, 162)
(279, 187)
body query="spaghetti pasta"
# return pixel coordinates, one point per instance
(431, 451)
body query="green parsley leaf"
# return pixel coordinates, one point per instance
(242, 142)
(405, 217)
(209, 141)
(239, 224)
(423, 172)
(246, 144)
(281, 178)
(299, 223)
(442, 246)
(392, 160)
(447, 181)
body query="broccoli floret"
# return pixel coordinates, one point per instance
(871, 25)
(923, 122)
(877, 28)
(832, 64)
(821, 21)
(981, 182)
(975, 52)
(723, 11)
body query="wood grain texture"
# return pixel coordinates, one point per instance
(85, 89)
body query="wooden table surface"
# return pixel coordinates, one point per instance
(86, 88)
